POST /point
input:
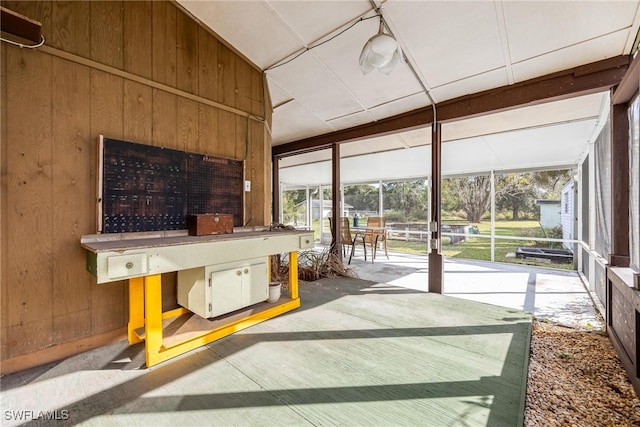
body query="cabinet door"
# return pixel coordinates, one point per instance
(226, 291)
(255, 284)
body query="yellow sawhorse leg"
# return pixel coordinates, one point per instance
(153, 318)
(293, 275)
(136, 309)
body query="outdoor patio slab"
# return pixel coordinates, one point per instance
(356, 352)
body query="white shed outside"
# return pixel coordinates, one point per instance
(549, 213)
(566, 214)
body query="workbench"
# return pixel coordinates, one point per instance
(141, 258)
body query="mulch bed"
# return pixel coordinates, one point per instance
(576, 379)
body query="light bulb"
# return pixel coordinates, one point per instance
(384, 44)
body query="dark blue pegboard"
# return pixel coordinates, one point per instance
(149, 188)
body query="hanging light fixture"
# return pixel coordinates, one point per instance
(381, 52)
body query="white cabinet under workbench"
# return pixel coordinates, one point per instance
(214, 290)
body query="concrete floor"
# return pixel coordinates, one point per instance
(553, 295)
(369, 351)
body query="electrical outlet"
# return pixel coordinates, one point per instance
(247, 186)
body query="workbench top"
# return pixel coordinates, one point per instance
(112, 257)
(120, 242)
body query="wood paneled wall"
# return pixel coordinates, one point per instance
(140, 71)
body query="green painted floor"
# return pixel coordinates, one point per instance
(356, 353)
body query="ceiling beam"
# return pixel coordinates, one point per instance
(582, 80)
(629, 84)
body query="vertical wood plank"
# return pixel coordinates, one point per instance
(107, 301)
(227, 76)
(29, 198)
(73, 211)
(241, 143)
(187, 53)
(164, 43)
(259, 168)
(243, 103)
(208, 130)
(208, 66)
(138, 112)
(188, 117)
(107, 317)
(268, 108)
(3, 201)
(138, 37)
(243, 81)
(72, 326)
(70, 29)
(257, 94)
(28, 337)
(106, 105)
(226, 134)
(165, 113)
(106, 33)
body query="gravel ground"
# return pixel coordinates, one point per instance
(576, 379)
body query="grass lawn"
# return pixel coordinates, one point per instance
(480, 247)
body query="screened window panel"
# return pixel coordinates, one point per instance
(634, 184)
(585, 201)
(603, 191)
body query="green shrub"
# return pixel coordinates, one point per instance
(394, 216)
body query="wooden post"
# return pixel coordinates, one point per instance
(336, 241)
(436, 261)
(619, 186)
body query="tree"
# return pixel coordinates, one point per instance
(473, 194)
(291, 205)
(549, 183)
(362, 197)
(514, 191)
(408, 197)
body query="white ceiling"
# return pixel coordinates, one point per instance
(455, 47)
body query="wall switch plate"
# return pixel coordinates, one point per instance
(247, 186)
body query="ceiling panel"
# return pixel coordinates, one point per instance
(312, 20)
(401, 105)
(474, 84)
(455, 47)
(534, 27)
(449, 41)
(583, 53)
(351, 120)
(301, 79)
(292, 121)
(246, 25)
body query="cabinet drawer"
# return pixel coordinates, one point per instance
(130, 265)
